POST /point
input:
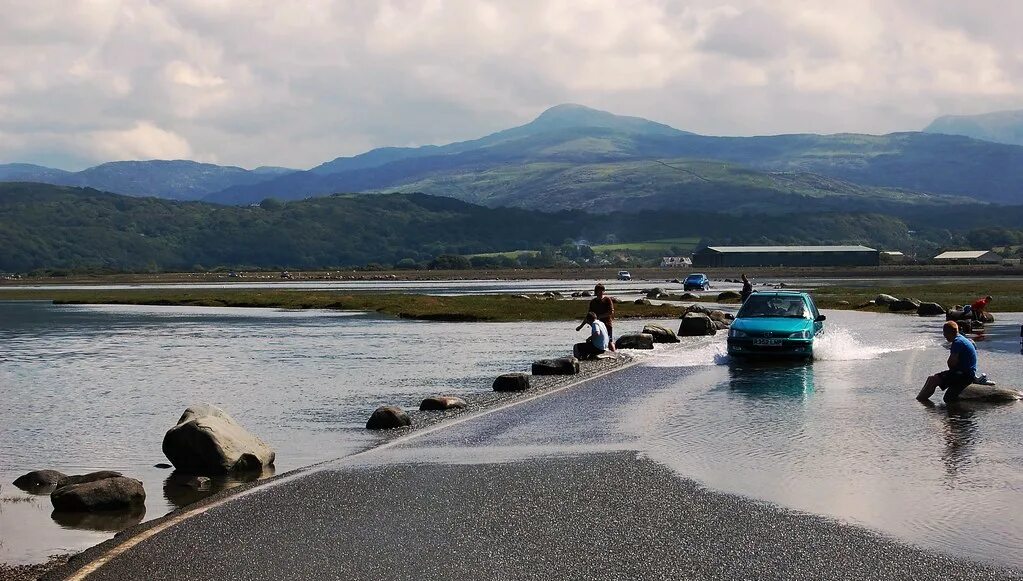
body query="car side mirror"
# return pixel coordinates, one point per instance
(820, 318)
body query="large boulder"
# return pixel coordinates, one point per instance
(696, 324)
(39, 481)
(559, 366)
(721, 316)
(930, 310)
(884, 300)
(441, 402)
(115, 493)
(729, 295)
(902, 305)
(387, 417)
(208, 441)
(990, 393)
(511, 382)
(90, 477)
(635, 341)
(661, 334)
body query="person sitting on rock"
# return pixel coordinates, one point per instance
(604, 308)
(962, 367)
(596, 343)
(979, 308)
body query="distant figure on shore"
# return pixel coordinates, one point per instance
(962, 367)
(747, 288)
(598, 340)
(604, 308)
(978, 308)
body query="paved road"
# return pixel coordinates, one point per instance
(540, 490)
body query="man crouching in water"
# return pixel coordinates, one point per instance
(962, 367)
(596, 343)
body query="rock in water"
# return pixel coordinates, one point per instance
(729, 296)
(904, 305)
(512, 382)
(930, 309)
(559, 366)
(39, 481)
(115, 493)
(990, 393)
(90, 477)
(661, 334)
(636, 341)
(387, 417)
(441, 402)
(696, 325)
(884, 300)
(208, 441)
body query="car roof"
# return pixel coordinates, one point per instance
(781, 293)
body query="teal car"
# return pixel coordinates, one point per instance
(775, 324)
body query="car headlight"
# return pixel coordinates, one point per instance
(736, 333)
(800, 335)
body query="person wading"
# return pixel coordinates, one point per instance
(962, 367)
(747, 288)
(602, 306)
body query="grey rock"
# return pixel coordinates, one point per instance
(511, 382)
(656, 293)
(661, 334)
(901, 305)
(441, 402)
(116, 493)
(696, 324)
(990, 393)
(586, 293)
(387, 417)
(90, 477)
(884, 300)
(206, 440)
(39, 481)
(635, 341)
(642, 302)
(559, 366)
(689, 297)
(930, 309)
(729, 295)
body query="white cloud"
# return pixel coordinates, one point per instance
(264, 82)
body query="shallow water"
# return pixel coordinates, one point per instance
(89, 388)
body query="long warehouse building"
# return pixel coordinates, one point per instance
(718, 256)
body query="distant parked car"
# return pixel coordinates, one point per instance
(697, 281)
(624, 275)
(775, 324)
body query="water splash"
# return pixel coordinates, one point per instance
(839, 344)
(691, 352)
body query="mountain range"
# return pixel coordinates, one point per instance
(999, 127)
(574, 157)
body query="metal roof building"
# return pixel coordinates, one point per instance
(985, 256)
(740, 256)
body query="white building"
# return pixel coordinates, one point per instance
(968, 257)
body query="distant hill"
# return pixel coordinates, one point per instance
(999, 127)
(576, 136)
(46, 226)
(175, 180)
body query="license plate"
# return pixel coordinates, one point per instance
(768, 342)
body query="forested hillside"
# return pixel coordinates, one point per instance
(43, 226)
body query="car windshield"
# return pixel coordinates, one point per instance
(774, 306)
(693, 278)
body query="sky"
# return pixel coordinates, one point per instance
(297, 83)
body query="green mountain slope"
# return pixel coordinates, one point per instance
(45, 226)
(920, 162)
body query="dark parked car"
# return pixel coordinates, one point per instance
(776, 323)
(697, 281)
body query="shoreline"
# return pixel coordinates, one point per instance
(65, 565)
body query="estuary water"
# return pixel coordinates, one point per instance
(95, 387)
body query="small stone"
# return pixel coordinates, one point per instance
(388, 417)
(441, 402)
(511, 382)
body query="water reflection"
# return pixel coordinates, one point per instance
(765, 379)
(105, 521)
(182, 489)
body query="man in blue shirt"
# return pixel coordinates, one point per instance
(596, 343)
(962, 367)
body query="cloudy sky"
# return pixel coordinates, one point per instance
(265, 82)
